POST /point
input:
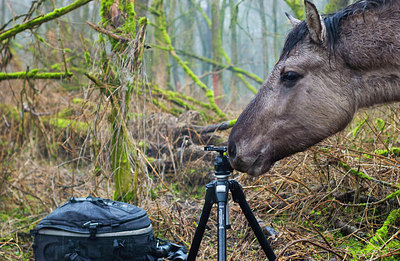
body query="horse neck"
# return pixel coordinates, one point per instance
(381, 85)
(370, 47)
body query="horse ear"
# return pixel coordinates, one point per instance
(293, 20)
(316, 26)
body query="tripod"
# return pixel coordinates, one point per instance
(217, 192)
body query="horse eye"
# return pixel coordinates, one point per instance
(290, 78)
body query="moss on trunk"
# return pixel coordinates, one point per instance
(123, 156)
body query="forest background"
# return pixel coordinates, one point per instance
(117, 99)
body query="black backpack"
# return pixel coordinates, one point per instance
(94, 229)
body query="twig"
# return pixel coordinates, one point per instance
(390, 254)
(390, 239)
(310, 242)
(155, 171)
(6, 122)
(12, 243)
(171, 154)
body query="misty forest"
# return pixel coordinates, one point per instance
(117, 99)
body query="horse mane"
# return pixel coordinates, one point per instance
(333, 24)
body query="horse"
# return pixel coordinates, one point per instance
(330, 66)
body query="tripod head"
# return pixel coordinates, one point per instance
(221, 163)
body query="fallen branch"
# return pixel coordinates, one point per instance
(310, 242)
(210, 128)
(364, 176)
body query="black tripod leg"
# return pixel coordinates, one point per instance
(221, 231)
(239, 197)
(205, 214)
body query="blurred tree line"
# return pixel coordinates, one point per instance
(208, 56)
(229, 45)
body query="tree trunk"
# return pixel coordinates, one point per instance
(173, 67)
(141, 8)
(275, 29)
(3, 12)
(123, 64)
(234, 53)
(217, 52)
(160, 58)
(264, 38)
(188, 46)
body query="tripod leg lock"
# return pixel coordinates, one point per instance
(237, 192)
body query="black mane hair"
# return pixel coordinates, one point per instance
(332, 23)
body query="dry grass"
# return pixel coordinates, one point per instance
(312, 199)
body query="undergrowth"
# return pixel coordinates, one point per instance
(336, 201)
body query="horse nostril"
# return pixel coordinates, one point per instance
(232, 151)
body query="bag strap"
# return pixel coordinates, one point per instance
(74, 249)
(92, 226)
(170, 250)
(117, 246)
(87, 199)
(75, 257)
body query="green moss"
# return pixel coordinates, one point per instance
(65, 113)
(143, 20)
(395, 151)
(209, 93)
(125, 182)
(357, 173)
(392, 151)
(393, 195)
(358, 127)
(380, 124)
(374, 248)
(153, 193)
(34, 74)
(232, 122)
(248, 85)
(87, 58)
(64, 123)
(40, 38)
(130, 24)
(176, 111)
(381, 234)
(104, 10)
(78, 101)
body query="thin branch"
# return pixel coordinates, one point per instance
(107, 32)
(211, 128)
(310, 242)
(34, 74)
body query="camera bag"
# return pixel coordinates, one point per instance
(94, 229)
